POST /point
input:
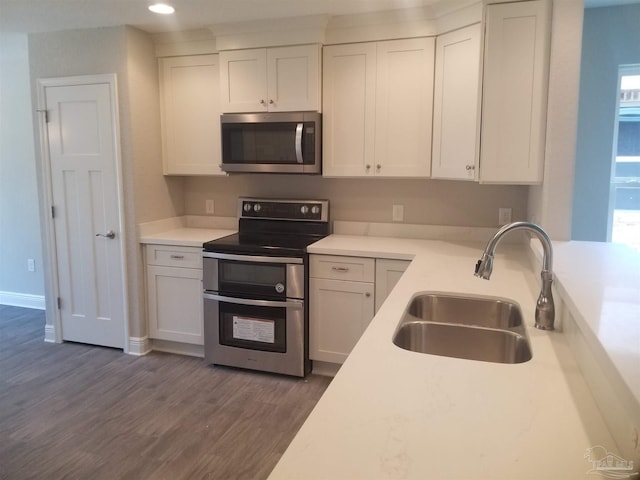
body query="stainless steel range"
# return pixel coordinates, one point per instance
(256, 286)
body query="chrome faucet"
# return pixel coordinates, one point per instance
(545, 309)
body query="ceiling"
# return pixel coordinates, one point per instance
(29, 16)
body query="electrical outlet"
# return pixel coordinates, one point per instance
(504, 216)
(398, 213)
(31, 265)
(209, 207)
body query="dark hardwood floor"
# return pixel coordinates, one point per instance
(74, 411)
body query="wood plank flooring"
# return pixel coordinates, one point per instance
(74, 411)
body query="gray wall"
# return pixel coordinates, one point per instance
(611, 37)
(19, 208)
(148, 195)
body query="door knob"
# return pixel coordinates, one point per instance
(109, 234)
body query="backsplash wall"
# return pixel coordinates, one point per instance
(430, 202)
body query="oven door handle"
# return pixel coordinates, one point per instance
(251, 258)
(297, 304)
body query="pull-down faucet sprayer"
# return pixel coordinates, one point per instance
(545, 309)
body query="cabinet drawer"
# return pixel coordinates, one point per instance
(172, 256)
(356, 269)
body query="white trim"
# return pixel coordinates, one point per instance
(179, 348)
(326, 369)
(25, 300)
(50, 334)
(48, 230)
(138, 346)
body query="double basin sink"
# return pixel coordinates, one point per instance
(474, 328)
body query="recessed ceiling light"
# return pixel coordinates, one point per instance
(162, 8)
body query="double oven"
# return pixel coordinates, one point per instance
(256, 286)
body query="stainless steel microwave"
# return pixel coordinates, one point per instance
(288, 142)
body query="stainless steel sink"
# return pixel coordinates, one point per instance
(459, 310)
(473, 328)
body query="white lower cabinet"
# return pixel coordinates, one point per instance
(388, 272)
(341, 296)
(344, 294)
(174, 293)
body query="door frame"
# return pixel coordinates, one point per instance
(53, 327)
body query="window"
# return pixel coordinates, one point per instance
(624, 204)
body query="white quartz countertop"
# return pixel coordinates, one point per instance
(394, 414)
(185, 236)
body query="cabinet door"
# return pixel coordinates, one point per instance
(293, 78)
(516, 60)
(339, 313)
(456, 114)
(404, 107)
(190, 115)
(348, 104)
(243, 81)
(388, 272)
(175, 304)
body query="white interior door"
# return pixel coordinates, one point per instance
(83, 154)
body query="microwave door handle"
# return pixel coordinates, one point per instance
(297, 304)
(299, 158)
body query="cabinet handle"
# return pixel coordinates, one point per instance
(470, 167)
(177, 257)
(340, 269)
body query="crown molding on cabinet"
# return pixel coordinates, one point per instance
(442, 17)
(271, 33)
(188, 42)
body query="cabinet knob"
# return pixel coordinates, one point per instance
(262, 102)
(470, 167)
(367, 294)
(378, 167)
(271, 102)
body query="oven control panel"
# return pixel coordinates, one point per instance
(308, 210)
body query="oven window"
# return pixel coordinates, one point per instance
(255, 328)
(249, 278)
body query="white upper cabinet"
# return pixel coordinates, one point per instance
(190, 115)
(516, 64)
(278, 79)
(348, 104)
(456, 110)
(404, 108)
(377, 108)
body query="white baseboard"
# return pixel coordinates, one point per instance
(325, 369)
(139, 346)
(24, 300)
(178, 347)
(50, 333)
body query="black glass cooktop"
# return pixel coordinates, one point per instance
(272, 227)
(282, 245)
